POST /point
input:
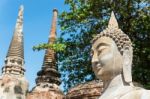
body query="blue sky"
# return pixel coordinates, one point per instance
(37, 24)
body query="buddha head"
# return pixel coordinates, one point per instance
(112, 53)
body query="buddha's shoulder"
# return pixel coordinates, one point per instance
(137, 93)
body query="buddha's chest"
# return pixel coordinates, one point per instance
(120, 93)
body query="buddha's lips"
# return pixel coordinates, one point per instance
(98, 67)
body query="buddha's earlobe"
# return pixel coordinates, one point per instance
(127, 66)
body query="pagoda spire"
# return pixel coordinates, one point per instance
(16, 46)
(49, 74)
(15, 57)
(52, 36)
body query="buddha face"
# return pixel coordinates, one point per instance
(106, 58)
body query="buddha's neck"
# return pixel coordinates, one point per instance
(116, 82)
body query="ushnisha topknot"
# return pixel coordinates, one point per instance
(121, 39)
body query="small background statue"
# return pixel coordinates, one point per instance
(112, 62)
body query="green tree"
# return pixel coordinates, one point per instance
(86, 18)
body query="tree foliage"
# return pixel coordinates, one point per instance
(57, 47)
(86, 18)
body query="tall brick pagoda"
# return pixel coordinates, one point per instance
(12, 81)
(49, 75)
(48, 78)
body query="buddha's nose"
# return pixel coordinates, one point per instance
(94, 60)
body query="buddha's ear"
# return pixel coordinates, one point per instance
(127, 65)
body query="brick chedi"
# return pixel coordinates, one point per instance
(48, 78)
(13, 84)
(49, 73)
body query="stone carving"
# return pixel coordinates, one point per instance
(112, 62)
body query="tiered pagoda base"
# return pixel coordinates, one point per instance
(13, 87)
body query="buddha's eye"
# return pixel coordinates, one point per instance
(91, 53)
(100, 49)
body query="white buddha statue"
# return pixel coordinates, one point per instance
(112, 63)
